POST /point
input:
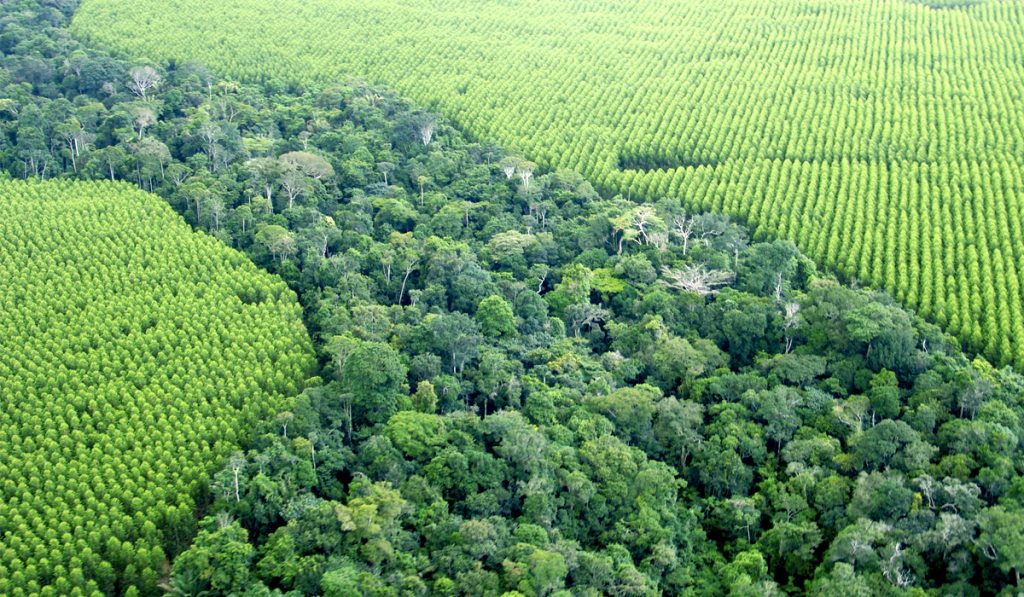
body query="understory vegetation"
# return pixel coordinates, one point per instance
(527, 387)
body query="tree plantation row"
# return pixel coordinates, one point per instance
(532, 390)
(884, 138)
(133, 354)
(525, 388)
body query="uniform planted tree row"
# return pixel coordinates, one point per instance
(134, 354)
(884, 138)
(528, 388)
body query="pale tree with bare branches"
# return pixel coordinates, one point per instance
(426, 131)
(526, 172)
(294, 183)
(790, 321)
(143, 80)
(683, 227)
(641, 225)
(697, 279)
(237, 464)
(143, 117)
(508, 166)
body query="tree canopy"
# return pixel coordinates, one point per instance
(882, 139)
(524, 386)
(134, 353)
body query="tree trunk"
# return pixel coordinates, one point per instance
(401, 292)
(348, 421)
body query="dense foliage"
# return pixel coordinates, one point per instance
(884, 138)
(532, 389)
(527, 387)
(134, 353)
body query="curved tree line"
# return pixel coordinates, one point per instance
(884, 139)
(527, 387)
(133, 354)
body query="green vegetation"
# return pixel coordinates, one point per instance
(883, 138)
(134, 353)
(526, 388)
(533, 390)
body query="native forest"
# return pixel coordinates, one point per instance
(511, 298)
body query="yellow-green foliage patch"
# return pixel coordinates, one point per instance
(134, 353)
(886, 138)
